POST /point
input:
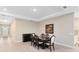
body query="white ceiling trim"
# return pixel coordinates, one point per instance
(76, 12)
(37, 20)
(18, 16)
(58, 14)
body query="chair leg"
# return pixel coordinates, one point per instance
(53, 47)
(50, 49)
(31, 43)
(35, 44)
(38, 47)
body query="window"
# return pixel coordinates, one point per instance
(4, 30)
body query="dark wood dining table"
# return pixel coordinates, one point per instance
(44, 41)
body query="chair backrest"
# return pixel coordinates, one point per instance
(52, 39)
(47, 36)
(42, 36)
(33, 34)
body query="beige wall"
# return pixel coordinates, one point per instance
(76, 31)
(63, 28)
(25, 26)
(21, 26)
(13, 31)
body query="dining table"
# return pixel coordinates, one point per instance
(44, 41)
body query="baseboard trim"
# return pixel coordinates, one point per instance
(59, 44)
(64, 45)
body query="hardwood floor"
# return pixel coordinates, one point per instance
(8, 46)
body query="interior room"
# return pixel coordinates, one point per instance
(39, 29)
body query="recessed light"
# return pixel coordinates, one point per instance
(4, 9)
(34, 9)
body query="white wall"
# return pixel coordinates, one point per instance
(63, 28)
(21, 26)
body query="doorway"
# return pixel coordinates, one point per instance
(4, 32)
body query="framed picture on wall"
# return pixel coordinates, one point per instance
(49, 28)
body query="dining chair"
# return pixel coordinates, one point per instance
(32, 39)
(51, 43)
(38, 42)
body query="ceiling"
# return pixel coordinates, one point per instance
(34, 13)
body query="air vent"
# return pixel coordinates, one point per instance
(64, 7)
